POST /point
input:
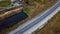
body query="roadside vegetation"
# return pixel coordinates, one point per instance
(32, 8)
(53, 26)
(36, 7)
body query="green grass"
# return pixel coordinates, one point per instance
(4, 4)
(27, 11)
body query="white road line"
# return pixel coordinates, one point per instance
(42, 23)
(22, 27)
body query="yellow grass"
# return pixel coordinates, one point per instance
(53, 26)
(38, 8)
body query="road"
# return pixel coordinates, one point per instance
(22, 29)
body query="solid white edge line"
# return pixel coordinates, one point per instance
(42, 23)
(23, 25)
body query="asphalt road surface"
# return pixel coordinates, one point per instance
(37, 20)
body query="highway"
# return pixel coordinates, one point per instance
(25, 27)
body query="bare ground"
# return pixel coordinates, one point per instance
(53, 26)
(39, 8)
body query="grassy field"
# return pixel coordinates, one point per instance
(36, 7)
(32, 10)
(53, 26)
(4, 3)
